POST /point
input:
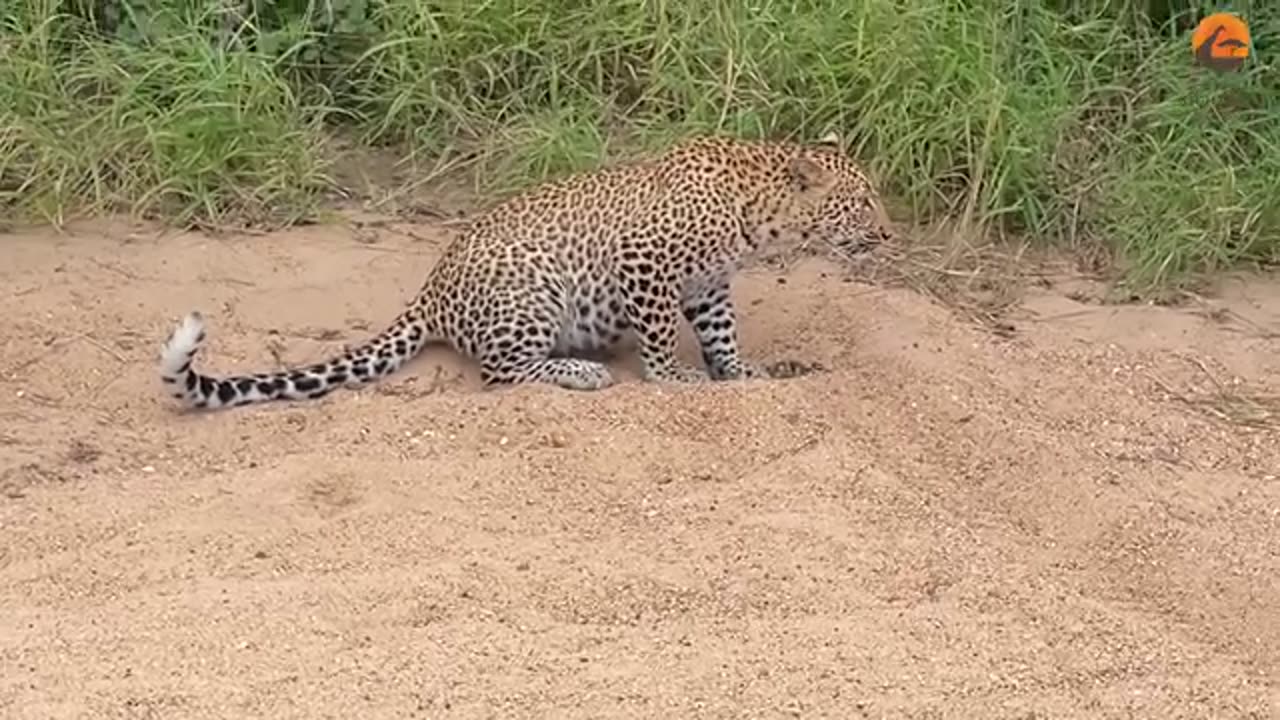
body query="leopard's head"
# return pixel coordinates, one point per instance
(838, 204)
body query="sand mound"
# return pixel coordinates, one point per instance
(1075, 521)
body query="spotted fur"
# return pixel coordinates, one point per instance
(541, 282)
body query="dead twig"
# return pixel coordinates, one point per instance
(1257, 411)
(88, 339)
(56, 345)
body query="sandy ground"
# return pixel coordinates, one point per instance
(948, 523)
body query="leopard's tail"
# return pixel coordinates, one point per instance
(375, 359)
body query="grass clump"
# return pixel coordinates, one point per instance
(1081, 124)
(169, 126)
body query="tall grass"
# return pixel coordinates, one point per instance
(1068, 122)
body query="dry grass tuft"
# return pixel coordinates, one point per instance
(1229, 402)
(980, 280)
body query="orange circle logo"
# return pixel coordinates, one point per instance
(1221, 42)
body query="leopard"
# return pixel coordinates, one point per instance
(541, 286)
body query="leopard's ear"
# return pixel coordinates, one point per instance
(809, 178)
(831, 140)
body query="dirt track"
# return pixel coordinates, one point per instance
(947, 524)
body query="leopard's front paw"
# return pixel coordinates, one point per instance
(740, 370)
(676, 373)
